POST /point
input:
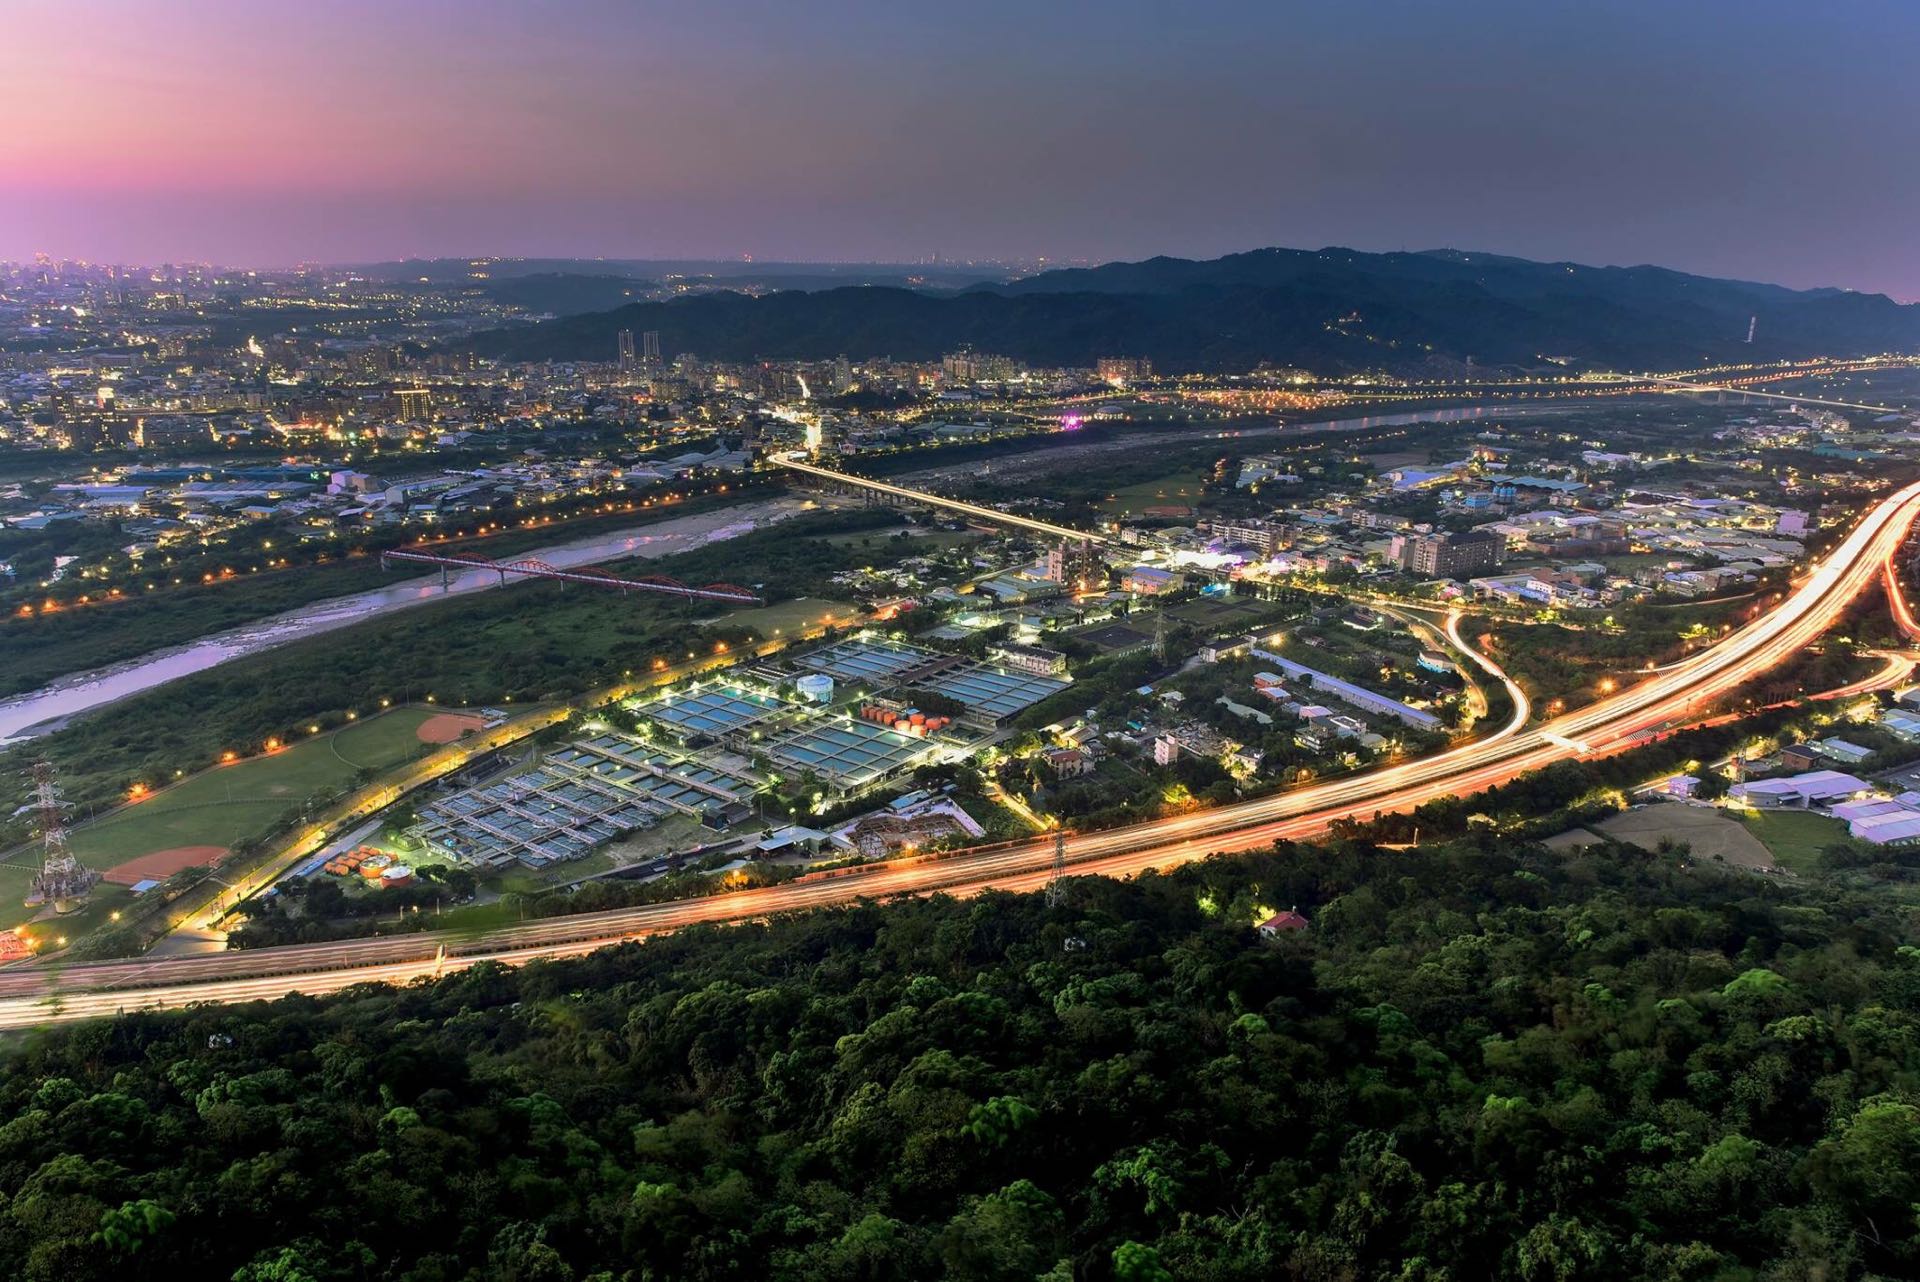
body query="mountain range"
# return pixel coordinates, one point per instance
(1328, 310)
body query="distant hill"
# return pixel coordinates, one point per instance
(1332, 309)
(565, 293)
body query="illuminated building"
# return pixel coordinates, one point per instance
(1448, 556)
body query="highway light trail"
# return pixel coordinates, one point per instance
(34, 996)
(1903, 615)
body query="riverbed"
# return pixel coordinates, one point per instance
(45, 710)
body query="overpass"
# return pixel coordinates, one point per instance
(1045, 529)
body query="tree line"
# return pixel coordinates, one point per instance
(1480, 1059)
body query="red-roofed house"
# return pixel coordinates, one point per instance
(1281, 923)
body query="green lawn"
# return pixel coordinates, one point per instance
(1180, 489)
(1220, 612)
(382, 741)
(787, 617)
(527, 881)
(1795, 837)
(229, 804)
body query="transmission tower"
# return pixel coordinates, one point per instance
(1160, 635)
(1057, 884)
(61, 881)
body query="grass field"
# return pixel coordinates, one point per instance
(229, 804)
(787, 616)
(1795, 837)
(1181, 489)
(1220, 612)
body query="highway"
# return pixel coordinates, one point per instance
(32, 996)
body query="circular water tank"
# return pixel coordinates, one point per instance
(817, 686)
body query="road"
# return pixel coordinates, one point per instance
(36, 996)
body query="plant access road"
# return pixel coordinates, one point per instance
(34, 996)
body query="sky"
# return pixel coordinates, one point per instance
(1765, 139)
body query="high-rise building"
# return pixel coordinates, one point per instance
(1121, 370)
(1073, 564)
(626, 349)
(969, 366)
(649, 347)
(1448, 556)
(413, 404)
(1264, 537)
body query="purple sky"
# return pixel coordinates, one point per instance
(1770, 139)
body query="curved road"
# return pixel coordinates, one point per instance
(36, 996)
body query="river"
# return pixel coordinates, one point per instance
(42, 711)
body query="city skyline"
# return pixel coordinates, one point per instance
(1711, 140)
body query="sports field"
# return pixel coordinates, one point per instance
(198, 819)
(1220, 612)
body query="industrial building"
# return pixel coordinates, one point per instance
(992, 694)
(580, 797)
(1359, 696)
(707, 748)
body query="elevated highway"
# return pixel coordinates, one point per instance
(32, 996)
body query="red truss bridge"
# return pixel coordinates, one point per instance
(450, 563)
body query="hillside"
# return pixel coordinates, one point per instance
(1473, 1063)
(1334, 309)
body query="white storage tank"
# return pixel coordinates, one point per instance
(817, 686)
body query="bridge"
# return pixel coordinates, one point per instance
(1682, 385)
(1046, 529)
(451, 562)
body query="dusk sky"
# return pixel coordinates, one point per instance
(1771, 139)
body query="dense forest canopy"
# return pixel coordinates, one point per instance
(1478, 1061)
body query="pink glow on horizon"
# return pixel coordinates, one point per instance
(265, 132)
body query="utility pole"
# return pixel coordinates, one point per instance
(1057, 884)
(63, 880)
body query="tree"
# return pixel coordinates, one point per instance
(1871, 1169)
(1135, 1262)
(995, 1122)
(129, 1226)
(1008, 1236)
